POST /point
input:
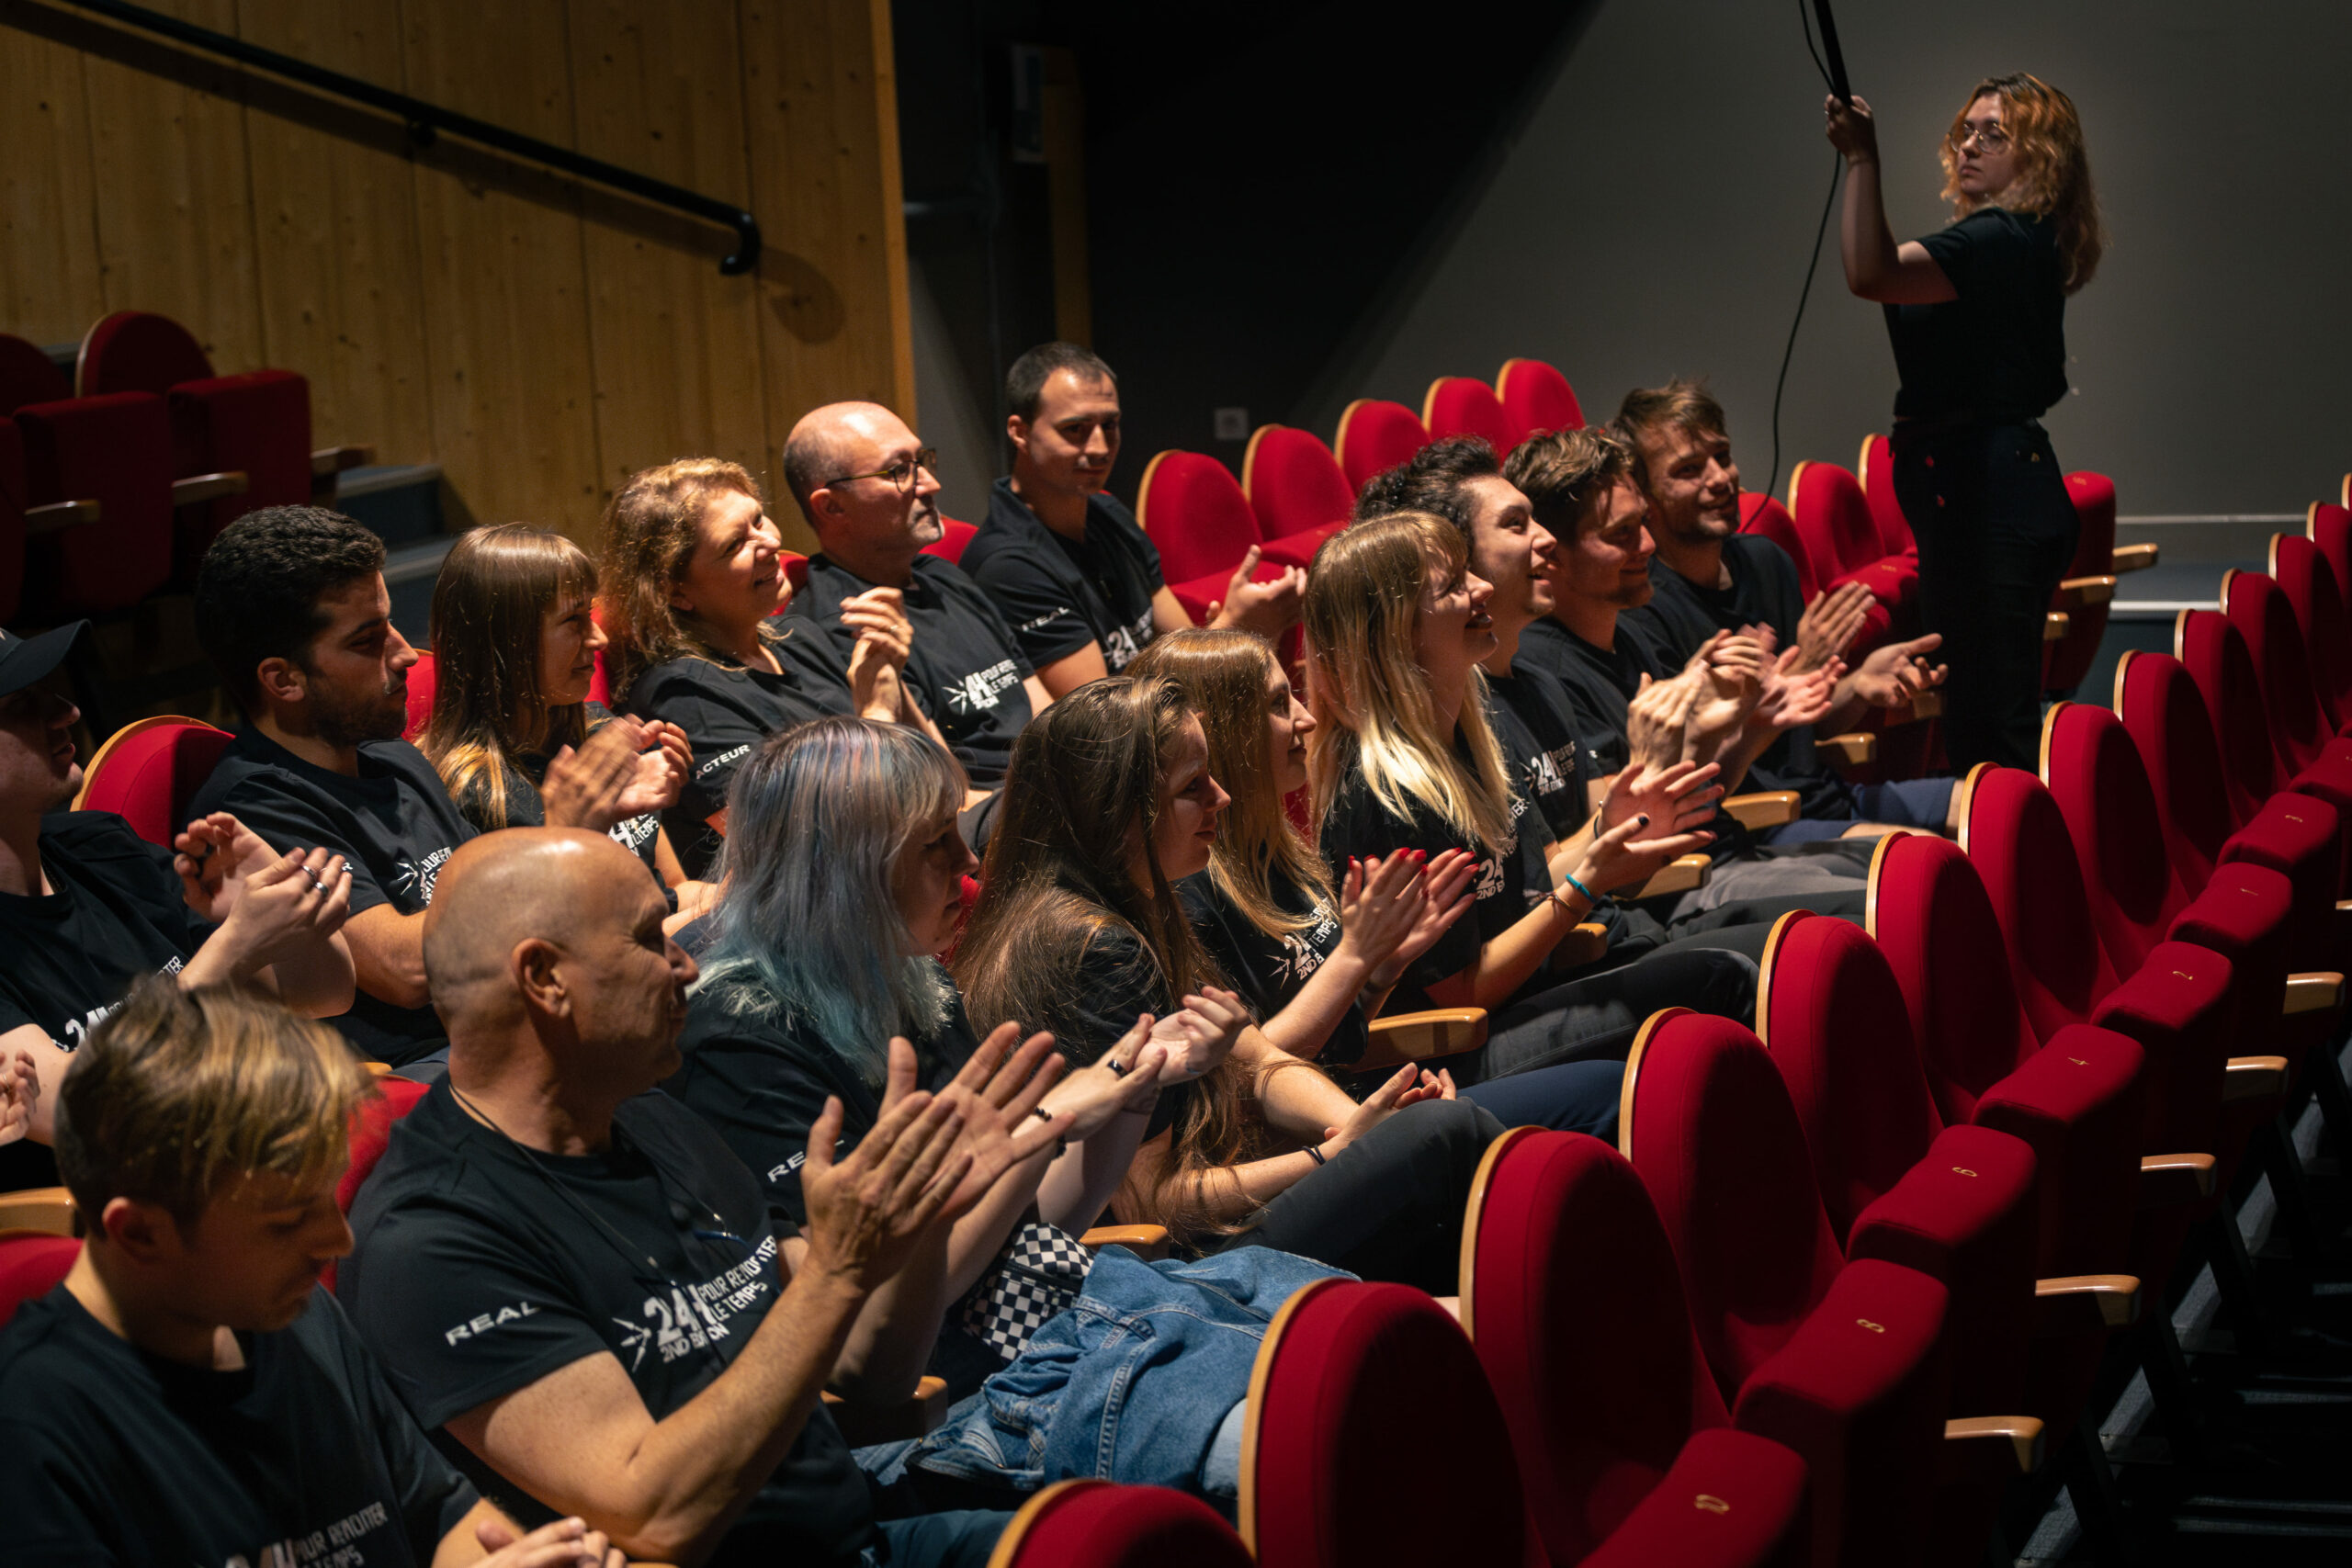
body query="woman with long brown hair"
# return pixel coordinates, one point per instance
(1977, 315)
(514, 650)
(694, 580)
(1109, 804)
(1401, 758)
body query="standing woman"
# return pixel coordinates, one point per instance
(1977, 315)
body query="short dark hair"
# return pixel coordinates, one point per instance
(1683, 405)
(257, 592)
(1563, 473)
(1025, 382)
(1434, 479)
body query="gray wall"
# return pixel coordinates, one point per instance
(1652, 218)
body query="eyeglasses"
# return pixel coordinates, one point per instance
(1991, 138)
(901, 473)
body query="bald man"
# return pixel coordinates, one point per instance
(578, 1290)
(865, 483)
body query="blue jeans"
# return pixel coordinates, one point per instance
(943, 1540)
(1923, 804)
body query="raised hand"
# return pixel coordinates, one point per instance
(1830, 624)
(1379, 902)
(1266, 608)
(664, 758)
(1127, 1079)
(867, 1213)
(296, 898)
(19, 1094)
(592, 787)
(215, 855)
(1679, 796)
(1654, 720)
(1789, 699)
(1617, 859)
(567, 1543)
(1446, 899)
(1001, 1089)
(1202, 1035)
(1850, 128)
(1892, 675)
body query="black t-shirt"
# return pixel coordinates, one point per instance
(1114, 980)
(1764, 591)
(481, 1268)
(1507, 883)
(966, 668)
(117, 1456)
(1535, 723)
(394, 825)
(727, 710)
(639, 835)
(1270, 970)
(1061, 594)
(762, 1081)
(1998, 352)
(67, 957)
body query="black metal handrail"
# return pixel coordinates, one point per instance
(426, 121)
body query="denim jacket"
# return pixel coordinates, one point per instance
(1133, 1382)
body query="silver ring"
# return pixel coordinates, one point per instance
(315, 883)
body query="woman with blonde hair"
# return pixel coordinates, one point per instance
(693, 581)
(1400, 757)
(1977, 315)
(514, 648)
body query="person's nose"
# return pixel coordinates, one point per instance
(1303, 722)
(1219, 799)
(599, 639)
(333, 1239)
(1540, 544)
(1647, 547)
(402, 655)
(1480, 590)
(926, 483)
(682, 964)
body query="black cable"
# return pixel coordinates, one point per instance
(1804, 25)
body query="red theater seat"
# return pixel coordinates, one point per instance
(1570, 1294)
(2259, 610)
(148, 770)
(117, 451)
(2088, 588)
(2253, 752)
(1536, 397)
(1834, 519)
(2309, 584)
(1374, 435)
(1364, 1395)
(1461, 405)
(1194, 513)
(1094, 1524)
(1297, 491)
(32, 1264)
(421, 685)
(953, 537)
(2329, 525)
(1874, 467)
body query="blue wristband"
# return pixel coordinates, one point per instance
(1590, 897)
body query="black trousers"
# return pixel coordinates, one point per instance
(1996, 530)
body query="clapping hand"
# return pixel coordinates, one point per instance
(1202, 1035)
(567, 1543)
(19, 1094)
(868, 1212)
(1682, 796)
(1892, 675)
(1379, 902)
(1790, 698)
(1266, 608)
(1830, 624)
(1127, 1079)
(296, 898)
(1002, 1090)
(605, 779)
(1445, 897)
(215, 854)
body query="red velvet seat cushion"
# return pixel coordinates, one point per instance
(2102, 790)
(2077, 1102)
(371, 1131)
(257, 423)
(1297, 489)
(138, 351)
(1573, 1302)
(1370, 1393)
(1373, 435)
(147, 776)
(32, 1265)
(116, 450)
(2329, 525)
(2017, 839)
(2215, 655)
(1875, 469)
(1759, 514)
(1194, 512)
(421, 684)
(2181, 1009)
(2308, 583)
(2164, 713)
(2300, 837)
(1536, 396)
(1732, 1500)
(1094, 1524)
(2255, 606)
(1462, 405)
(1859, 1392)
(1833, 518)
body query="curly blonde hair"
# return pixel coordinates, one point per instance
(2053, 168)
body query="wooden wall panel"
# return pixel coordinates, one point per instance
(174, 199)
(677, 345)
(505, 290)
(49, 290)
(335, 221)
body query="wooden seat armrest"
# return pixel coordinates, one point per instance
(196, 489)
(2076, 591)
(49, 1210)
(2253, 1078)
(1855, 749)
(1676, 877)
(1927, 705)
(2132, 558)
(1587, 944)
(864, 1425)
(2314, 991)
(61, 514)
(1990, 1446)
(1764, 808)
(1423, 1036)
(2085, 1304)
(1147, 1242)
(2054, 626)
(331, 460)
(2170, 1180)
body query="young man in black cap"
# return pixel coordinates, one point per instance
(188, 1393)
(86, 907)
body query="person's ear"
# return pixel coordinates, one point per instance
(537, 965)
(1017, 430)
(145, 1233)
(282, 681)
(824, 506)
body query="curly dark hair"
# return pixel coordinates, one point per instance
(257, 592)
(1433, 479)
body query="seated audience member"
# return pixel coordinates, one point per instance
(864, 482)
(1402, 757)
(291, 608)
(1316, 953)
(844, 877)
(189, 1395)
(693, 586)
(1078, 932)
(514, 648)
(87, 906)
(1066, 562)
(1581, 486)
(635, 1342)
(1718, 579)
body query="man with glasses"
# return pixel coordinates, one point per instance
(866, 485)
(1067, 563)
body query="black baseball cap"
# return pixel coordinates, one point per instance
(26, 660)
